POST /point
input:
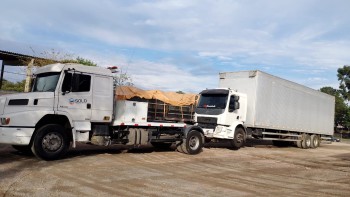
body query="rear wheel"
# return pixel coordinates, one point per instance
(306, 143)
(50, 142)
(315, 141)
(193, 144)
(238, 141)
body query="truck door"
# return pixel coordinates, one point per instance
(75, 98)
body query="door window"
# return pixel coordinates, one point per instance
(76, 83)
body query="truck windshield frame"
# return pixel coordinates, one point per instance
(46, 82)
(213, 101)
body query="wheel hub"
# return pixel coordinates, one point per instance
(194, 142)
(52, 142)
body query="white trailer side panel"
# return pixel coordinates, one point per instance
(275, 103)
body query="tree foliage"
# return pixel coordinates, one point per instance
(53, 56)
(13, 86)
(123, 79)
(344, 81)
(341, 109)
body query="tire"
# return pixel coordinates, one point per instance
(161, 145)
(315, 141)
(306, 143)
(50, 142)
(299, 144)
(23, 149)
(239, 139)
(193, 144)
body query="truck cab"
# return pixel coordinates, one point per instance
(71, 103)
(221, 114)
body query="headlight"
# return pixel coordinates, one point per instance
(5, 121)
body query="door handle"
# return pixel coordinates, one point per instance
(88, 106)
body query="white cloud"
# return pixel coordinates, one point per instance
(269, 35)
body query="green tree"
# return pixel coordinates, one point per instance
(342, 116)
(53, 56)
(344, 81)
(13, 86)
(123, 79)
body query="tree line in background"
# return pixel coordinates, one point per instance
(342, 97)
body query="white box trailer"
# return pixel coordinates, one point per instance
(276, 103)
(257, 104)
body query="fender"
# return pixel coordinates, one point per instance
(74, 126)
(190, 128)
(228, 132)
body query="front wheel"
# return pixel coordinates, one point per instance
(238, 141)
(50, 142)
(193, 144)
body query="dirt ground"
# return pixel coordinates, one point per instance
(259, 170)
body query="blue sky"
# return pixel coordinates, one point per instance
(183, 45)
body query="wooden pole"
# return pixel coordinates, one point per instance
(29, 76)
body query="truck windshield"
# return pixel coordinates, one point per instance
(46, 82)
(215, 101)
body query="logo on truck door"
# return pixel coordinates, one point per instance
(72, 101)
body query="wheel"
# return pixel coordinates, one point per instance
(315, 141)
(23, 149)
(50, 142)
(193, 144)
(161, 145)
(238, 141)
(306, 142)
(298, 143)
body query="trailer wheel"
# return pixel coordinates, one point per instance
(306, 143)
(23, 149)
(193, 144)
(298, 143)
(161, 145)
(50, 142)
(239, 139)
(315, 141)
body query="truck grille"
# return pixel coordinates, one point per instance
(207, 120)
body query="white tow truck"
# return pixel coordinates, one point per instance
(258, 105)
(72, 103)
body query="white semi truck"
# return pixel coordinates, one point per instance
(256, 104)
(72, 103)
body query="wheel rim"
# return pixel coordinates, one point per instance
(308, 143)
(52, 142)
(239, 138)
(315, 141)
(193, 142)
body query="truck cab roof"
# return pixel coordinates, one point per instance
(58, 67)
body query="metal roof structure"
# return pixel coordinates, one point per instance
(13, 59)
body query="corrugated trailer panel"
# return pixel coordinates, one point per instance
(275, 103)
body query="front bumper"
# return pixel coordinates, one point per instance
(15, 135)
